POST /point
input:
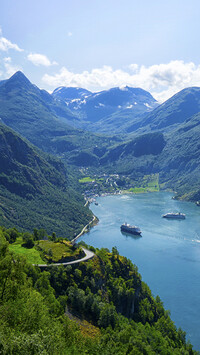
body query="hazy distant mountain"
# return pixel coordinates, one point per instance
(122, 104)
(70, 94)
(171, 113)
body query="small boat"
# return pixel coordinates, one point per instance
(127, 228)
(172, 215)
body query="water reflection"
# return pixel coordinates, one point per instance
(133, 236)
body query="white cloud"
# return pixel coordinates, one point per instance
(69, 34)
(134, 67)
(5, 44)
(40, 59)
(162, 80)
(10, 68)
(7, 59)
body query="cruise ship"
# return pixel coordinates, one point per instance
(127, 228)
(172, 215)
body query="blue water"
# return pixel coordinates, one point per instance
(167, 254)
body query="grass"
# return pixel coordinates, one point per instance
(47, 250)
(137, 190)
(86, 179)
(32, 255)
(57, 251)
(149, 183)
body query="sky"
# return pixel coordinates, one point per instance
(99, 44)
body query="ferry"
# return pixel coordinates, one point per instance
(127, 228)
(172, 215)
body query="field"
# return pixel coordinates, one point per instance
(45, 250)
(57, 251)
(149, 183)
(86, 179)
(32, 255)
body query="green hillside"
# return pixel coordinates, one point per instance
(171, 113)
(98, 307)
(35, 189)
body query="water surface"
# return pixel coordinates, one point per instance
(167, 254)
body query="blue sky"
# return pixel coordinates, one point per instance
(101, 44)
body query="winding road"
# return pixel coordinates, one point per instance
(88, 255)
(73, 241)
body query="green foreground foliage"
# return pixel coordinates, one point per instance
(107, 291)
(36, 250)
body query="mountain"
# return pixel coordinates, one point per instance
(70, 94)
(35, 189)
(29, 110)
(174, 156)
(123, 102)
(171, 113)
(43, 120)
(164, 142)
(18, 89)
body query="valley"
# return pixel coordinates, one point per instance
(32, 179)
(55, 158)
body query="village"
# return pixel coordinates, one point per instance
(104, 184)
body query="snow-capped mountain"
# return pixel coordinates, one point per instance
(95, 106)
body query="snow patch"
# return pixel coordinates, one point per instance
(97, 94)
(147, 105)
(75, 100)
(123, 88)
(83, 102)
(59, 89)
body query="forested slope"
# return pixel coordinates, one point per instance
(35, 189)
(107, 291)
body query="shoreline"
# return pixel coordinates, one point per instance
(84, 230)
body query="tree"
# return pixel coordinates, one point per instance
(42, 233)
(35, 234)
(28, 240)
(108, 316)
(53, 236)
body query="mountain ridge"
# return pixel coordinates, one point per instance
(176, 141)
(93, 107)
(176, 110)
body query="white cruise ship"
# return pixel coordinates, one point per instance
(172, 215)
